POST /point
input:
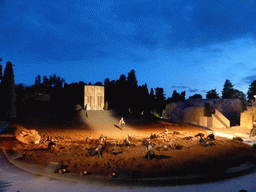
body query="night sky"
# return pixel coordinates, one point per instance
(185, 45)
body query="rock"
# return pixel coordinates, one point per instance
(237, 139)
(126, 142)
(179, 146)
(117, 150)
(88, 139)
(145, 142)
(130, 137)
(202, 141)
(153, 136)
(29, 136)
(211, 137)
(200, 135)
(176, 133)
(254, 146)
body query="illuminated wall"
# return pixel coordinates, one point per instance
(94, 97)
(248, 117)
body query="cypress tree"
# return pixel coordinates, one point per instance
(228, 90)
(8, 97)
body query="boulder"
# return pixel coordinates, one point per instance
(28, 136)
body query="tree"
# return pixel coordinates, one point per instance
(175, 96)
(182, 96)
(131, 79)
(212, 94)
(239, 95)
(160, 100)
(121, 87)
(152, 99)
(98, 83)
(143, 101)
(1, 68)
(252, 91)
(8, 93)
(228, 90)
(132, 85)
(38, 80)
(196, 96)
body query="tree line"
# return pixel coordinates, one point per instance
(121, 94)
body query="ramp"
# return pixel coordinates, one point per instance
(219, 120)
(105, 122)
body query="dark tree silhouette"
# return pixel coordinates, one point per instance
(110, 93)
(196, 96)
(212, 94)
(228, 90)
(182, 96)
(132, 85)
(160, 100)
(38, 80)
(175, 96)
(239, 95)
(8, 93)
(143, 100)
(98, 83)
(252, 91)
(20, 93)
(1, 68)
(152, 99)
(121, 89)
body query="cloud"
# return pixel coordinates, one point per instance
(180, 87)
(249, 79)
(193, 90)
(79, 30)
(186, 87)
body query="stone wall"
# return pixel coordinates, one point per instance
(248, 117)
(192, 110)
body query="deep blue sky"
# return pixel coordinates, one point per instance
(185, 45)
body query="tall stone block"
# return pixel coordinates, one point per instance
(247, 119)
(94, 97)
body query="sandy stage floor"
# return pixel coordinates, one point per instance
(178, 152)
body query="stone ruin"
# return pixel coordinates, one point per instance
(248, 117)
(219, 113)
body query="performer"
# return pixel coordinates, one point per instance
(121, 122)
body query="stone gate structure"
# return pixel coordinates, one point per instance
(94, 97)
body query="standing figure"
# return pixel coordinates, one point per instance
(52, 145)
(85, 108)
(121, 122)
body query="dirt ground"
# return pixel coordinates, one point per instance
(178, 152)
